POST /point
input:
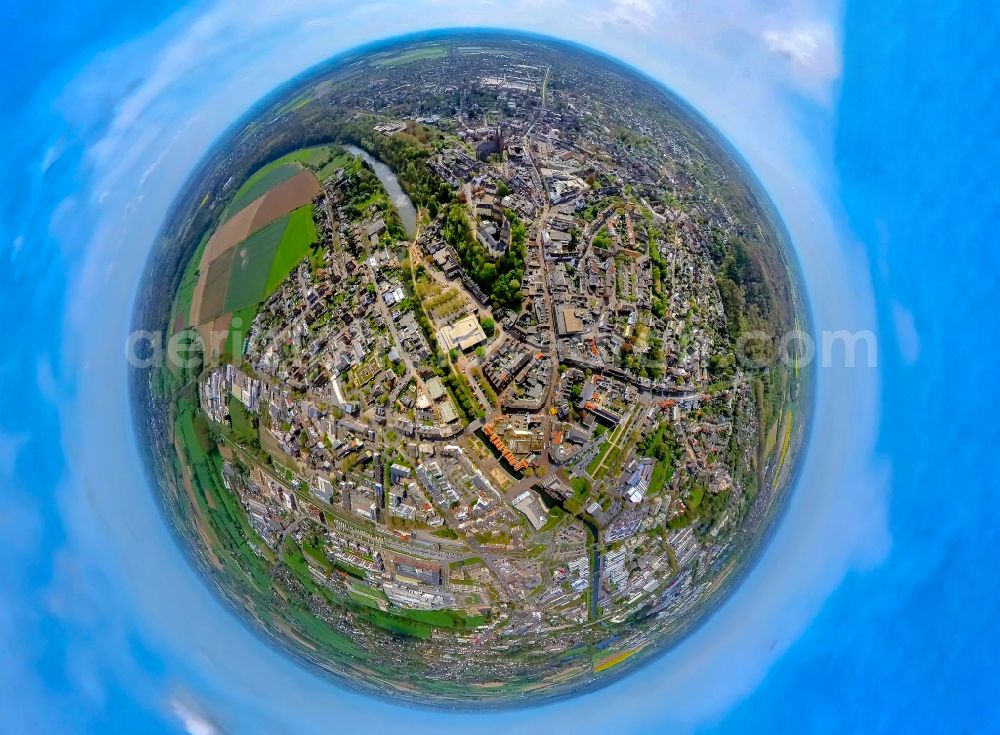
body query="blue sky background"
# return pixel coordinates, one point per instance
(872, 125)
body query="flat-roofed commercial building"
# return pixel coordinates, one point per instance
(463, 335)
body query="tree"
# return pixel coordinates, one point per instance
(488, 325)
(501, 279)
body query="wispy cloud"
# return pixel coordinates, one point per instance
(634, 14)
(192, 719)
(810, 47)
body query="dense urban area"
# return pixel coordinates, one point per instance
(461, 416)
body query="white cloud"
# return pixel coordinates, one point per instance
(636, 14)
(535, 4)
(194, 722)
(810, 47)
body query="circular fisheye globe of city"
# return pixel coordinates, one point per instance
(455, 400)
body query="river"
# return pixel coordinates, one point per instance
(407, 212)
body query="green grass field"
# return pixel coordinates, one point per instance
(615, 446)
(318, 556)
(252, 265)
(365, 595)
(555, 516)
(311, 157)
(218, 506)
(599, 457)
(393, 624)
(234, 340)
(323, 634)
(301, 101)
(296, 240)
(465, 563)
(242, 423)
(444, 618)
(663, 472)
(185, 295)
(185, 292)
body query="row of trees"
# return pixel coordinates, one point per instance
(464, 401)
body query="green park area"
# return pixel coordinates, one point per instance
(662, 446)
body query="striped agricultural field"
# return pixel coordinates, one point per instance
(209, 299)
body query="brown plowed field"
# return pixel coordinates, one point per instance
(210, 293)
(214, 283)
(214, 335)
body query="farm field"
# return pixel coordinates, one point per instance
(181, 317)
(238, 331)
(430, 52)
(298, 237)
(214, 283)
(300, 101)
(239, 255)
(251, 265)
(260, 183)
(258, 265)
(267, 177)
(311, 157)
